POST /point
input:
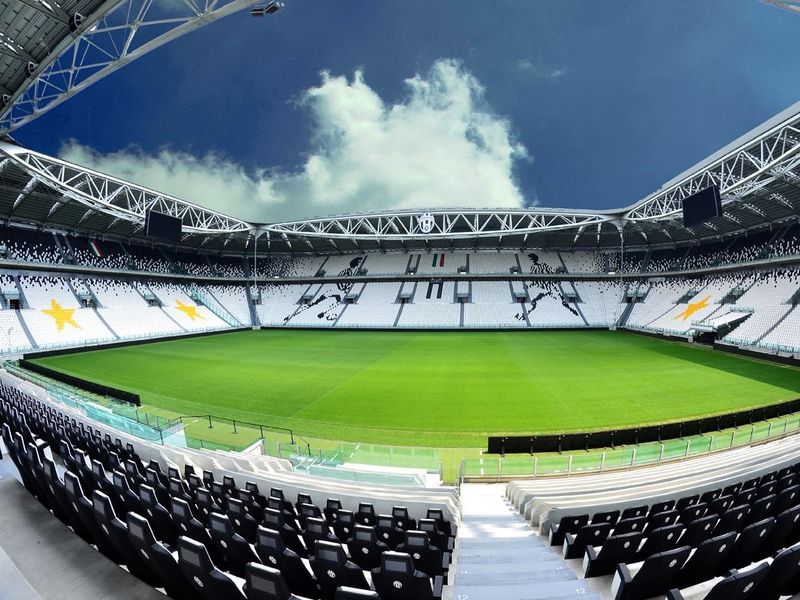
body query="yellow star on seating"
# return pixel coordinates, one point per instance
(190, 310)
(692, 308)
(61, 315)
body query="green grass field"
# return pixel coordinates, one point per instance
(441, 389)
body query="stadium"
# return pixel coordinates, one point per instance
(432, 403)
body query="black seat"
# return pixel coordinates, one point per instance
(788, 497)
(289, 516)
(274, 519)
(387, 532)
(699, 531)
(365, 548)
(436, 536)
(747, 545)
(402, 520)
(602, 560)
(366, 514)
(610, 516)
(258, 497)
(302, 499)
(343, 525)
(762, 508)
(308, 511)
(736, 586)
(251, 507)
(244, 524)
(720, 505)
(444, 525)
(123, 491)
(207, 580)
(60, 494)
(566, 525)
(266, 583)
(191, 527)
(117, 533)
(651, 578)
(784, 533)
(235, 548)
(687, 501)
(206, 505)
(661, 539)
(703, 562)
(593, 534)
(160, 518)
(332, 570)
(229, 483)
(278, 493)
(427, 558)
(332, 506)
(694, 512)
(317, 530)
(83, 509)
(631, 525)
(663, 506)
(272, 552)
(159, 558)
(783, 570)
(158, 482)
(633, 512)
(663, 518)
(396, 579)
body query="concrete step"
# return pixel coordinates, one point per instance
(499, 556)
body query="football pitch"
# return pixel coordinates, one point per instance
(440, 389)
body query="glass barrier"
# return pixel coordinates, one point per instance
(403, 465)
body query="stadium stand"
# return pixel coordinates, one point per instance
(150, 511)
(96, 253)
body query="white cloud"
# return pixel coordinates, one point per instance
(539, 70)
(441, 146)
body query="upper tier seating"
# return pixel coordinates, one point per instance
(30, 245)
(97, 253)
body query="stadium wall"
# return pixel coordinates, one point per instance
(84, 384)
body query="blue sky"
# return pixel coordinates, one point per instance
(565, 103)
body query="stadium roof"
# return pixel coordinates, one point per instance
(758, 174)
(52, 49)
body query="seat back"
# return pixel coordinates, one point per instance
(265, 583)
(702, 564)
(157, 557)
(656, 575)
(747, 545)
(740, 585)
(699, 530)
(396, 579)
(783, 570)
(208, 581)
(365, 548)
(661, 539)
(332, 569)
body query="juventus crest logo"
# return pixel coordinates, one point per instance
(426, 222)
